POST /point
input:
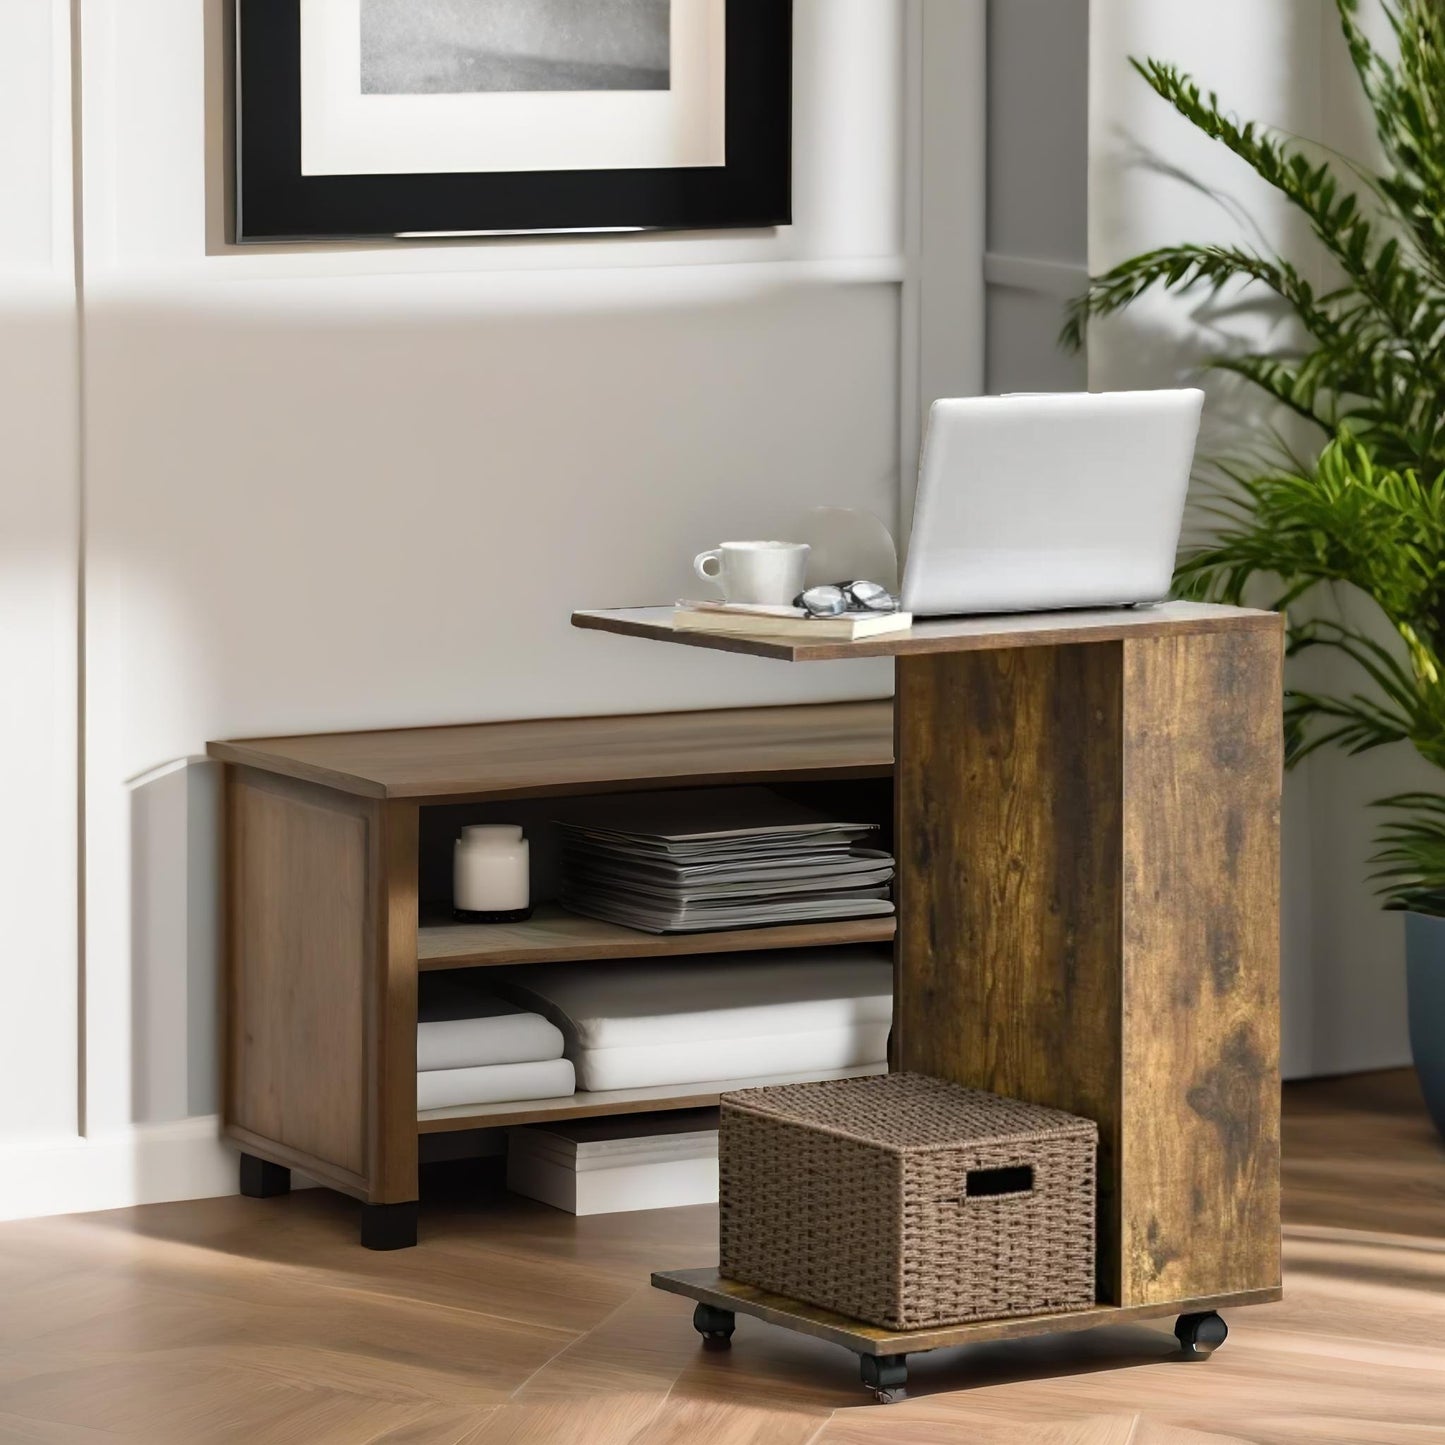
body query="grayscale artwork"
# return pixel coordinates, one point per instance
(437, 47)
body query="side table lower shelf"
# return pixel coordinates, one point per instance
(883, 1352)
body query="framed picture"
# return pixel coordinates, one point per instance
(405, 118)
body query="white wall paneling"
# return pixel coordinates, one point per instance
(363, 485)
(1038, 190)
(358, 486)
(116, 1168)
(39, 579)
(942, 325)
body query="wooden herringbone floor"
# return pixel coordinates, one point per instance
(262, 1321)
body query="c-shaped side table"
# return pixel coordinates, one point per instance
(1087, 836)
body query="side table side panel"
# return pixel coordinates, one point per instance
(1202, 777)
(1008, 836)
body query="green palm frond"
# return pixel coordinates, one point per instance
(1375, 344)
(1179, 268)
(1408, 865)
(1405, 97)
(1385, 287)
(1367, 513)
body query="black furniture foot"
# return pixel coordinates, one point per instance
(1200, 1335)
(388, 1226)
(885, 1375)
(261, 1179)
(715, 1326)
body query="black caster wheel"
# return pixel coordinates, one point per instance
(1200, 1335)
(715, 1326)
(885, 1375)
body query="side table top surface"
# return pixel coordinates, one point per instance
(949, 634)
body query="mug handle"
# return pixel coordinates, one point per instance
(700, 563)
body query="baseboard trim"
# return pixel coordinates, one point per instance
(146, 1164)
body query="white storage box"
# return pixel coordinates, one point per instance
(610, 1166)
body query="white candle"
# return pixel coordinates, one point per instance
(491, 870)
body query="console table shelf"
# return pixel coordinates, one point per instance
(583, 1105)
(552, 935)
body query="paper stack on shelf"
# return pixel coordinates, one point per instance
(609, 1166)
(682, 864)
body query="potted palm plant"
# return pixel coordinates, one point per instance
(1367, 510)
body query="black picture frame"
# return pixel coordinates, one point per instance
(276, 202)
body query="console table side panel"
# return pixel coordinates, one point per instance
(300, 941)
(392, 1148)
(1203, 762)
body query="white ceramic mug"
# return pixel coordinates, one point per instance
(765, 574)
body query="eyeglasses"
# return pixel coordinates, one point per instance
(835, 599)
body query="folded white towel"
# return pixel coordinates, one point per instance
(495, 1084)
(463, 1025)
(694, 1061)
(729, 996)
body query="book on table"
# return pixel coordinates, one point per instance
(742, 620)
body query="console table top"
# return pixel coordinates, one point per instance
(949, 634)
(585, 754)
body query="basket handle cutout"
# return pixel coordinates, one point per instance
(1012, 1179)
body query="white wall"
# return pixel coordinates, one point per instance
(1154, 180)
(358, 486)
(362, 486)
(944, 211)
(345, 487)
(39, 579)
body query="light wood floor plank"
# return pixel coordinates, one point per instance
(171, 1403)
(853, 1427)
(600, 1419)
(16, 1431)
(640, 1349)
(686, 1422)
(437, 1427)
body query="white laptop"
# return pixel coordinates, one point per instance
(1034, 502)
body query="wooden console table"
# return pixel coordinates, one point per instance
(325, 936)
(1087, 835)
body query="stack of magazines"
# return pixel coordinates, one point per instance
(687, 863)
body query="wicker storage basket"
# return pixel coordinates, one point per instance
(907, 1201)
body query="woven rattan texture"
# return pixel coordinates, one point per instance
(906, 1111)
(851, 1195)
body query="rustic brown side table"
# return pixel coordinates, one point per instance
(1087, 834)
